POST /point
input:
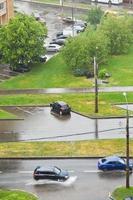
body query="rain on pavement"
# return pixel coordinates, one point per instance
(39, 124)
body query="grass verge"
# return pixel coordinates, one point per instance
(122, 192)
(15, 194)
(75, 148)
(55, 74)
(83, 103)
(6, 115)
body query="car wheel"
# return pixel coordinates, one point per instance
(36, 179)
(104, 169)
(130, 170)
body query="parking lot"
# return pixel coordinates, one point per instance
(38, 124)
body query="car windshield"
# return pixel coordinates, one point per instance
(103, 160)
(57, 170)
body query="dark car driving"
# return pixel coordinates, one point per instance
(51, 173)
(60, 107)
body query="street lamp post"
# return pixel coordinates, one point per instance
(73, 18)
(127, 143)
(96, 84)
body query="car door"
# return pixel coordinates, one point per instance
(110, 165)
(120, 166)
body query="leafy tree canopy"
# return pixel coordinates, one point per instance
(22, 40)
(118, 30)
(79, 51)
(94, 15)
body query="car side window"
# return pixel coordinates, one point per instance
(111, 162)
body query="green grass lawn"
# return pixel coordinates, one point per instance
(6, 115)
(15, 195)
(75, 148)
(56, 74)
(121, 68)
(83, 103)
(122, 192)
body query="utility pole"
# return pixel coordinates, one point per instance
(73, 18)
(61, 5)
(96, 84)
(127, 143)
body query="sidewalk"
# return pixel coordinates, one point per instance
(65, 90)
(85, 6)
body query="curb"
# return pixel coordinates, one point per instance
(55, 158)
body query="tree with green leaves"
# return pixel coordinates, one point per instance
(79, 51)
(22, 40)
(94, 15)
(119, 33)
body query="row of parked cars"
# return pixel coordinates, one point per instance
(61, 37)
(21, 67)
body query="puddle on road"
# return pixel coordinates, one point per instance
(40, 125)
(67, 183)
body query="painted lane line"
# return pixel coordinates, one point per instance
(25, 172)
(26, 111)
(92, 171)
(70, 171)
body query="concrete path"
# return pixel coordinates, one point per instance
(65, 90)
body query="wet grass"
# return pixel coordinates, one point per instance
(83, 103)
(121, 69)
(56, 74)
(122, 192)
(75, 148)
(6, 115)
(15, 194)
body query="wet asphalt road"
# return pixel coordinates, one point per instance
(39, 124)
(85, 182)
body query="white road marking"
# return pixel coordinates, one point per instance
(91, 171)
(70, 171)
(25, 172)
(1, 172)
(26, 111)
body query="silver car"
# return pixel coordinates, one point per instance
(53, 48)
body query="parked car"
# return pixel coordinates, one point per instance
(113, 163)
(78, 28)
(62, 37)
(42, 58)
(51, 173)
(81, 23)
(36, 15)
(59, 34)
(68, 19)
(60, 108)
(20, 68)
(128, 198)
(58, 41)
(53, 48)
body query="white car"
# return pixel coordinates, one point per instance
(78, 28)
(53, 48)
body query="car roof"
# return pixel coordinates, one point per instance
(113, 158)
(46, 168)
